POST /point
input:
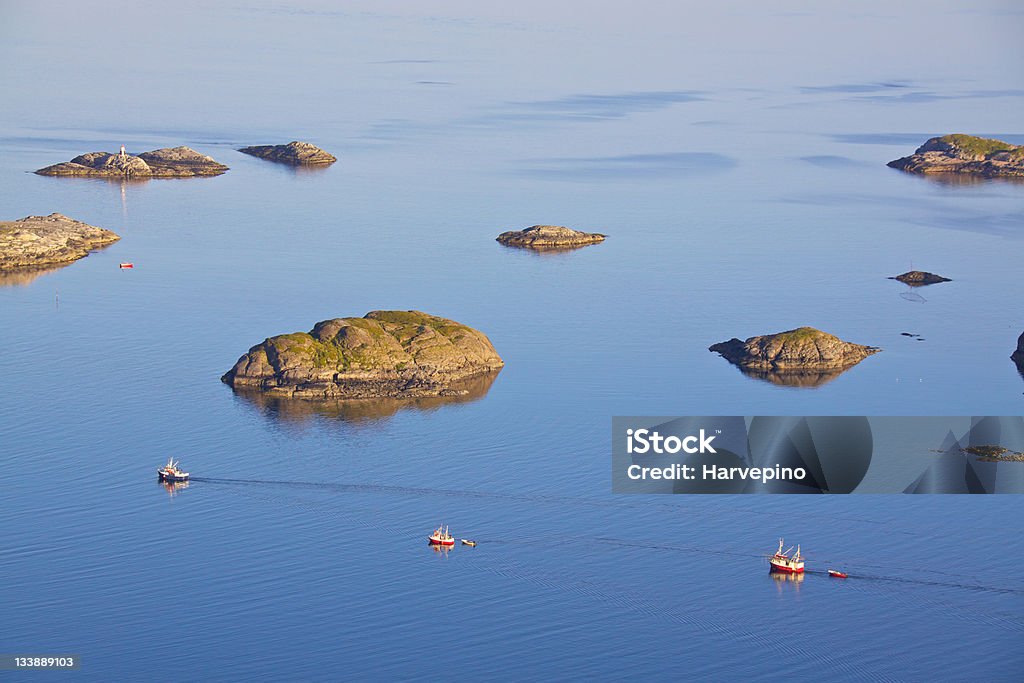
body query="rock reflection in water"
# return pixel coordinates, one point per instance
(24, 276)
(546, 252)
(363, 409)
(967, 179)
(807, 379)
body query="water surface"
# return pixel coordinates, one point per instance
(736, 159)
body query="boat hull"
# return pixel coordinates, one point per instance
(436, 541)
(172, 477)
(781, 568)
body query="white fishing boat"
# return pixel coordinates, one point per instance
(171, 472)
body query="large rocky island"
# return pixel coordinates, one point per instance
(41, 241)
(968, 154)
(295, 153)
(801, 357)
(172, 162)
(542, 237)
(386, 354)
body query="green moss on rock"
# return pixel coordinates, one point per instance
(971, 144)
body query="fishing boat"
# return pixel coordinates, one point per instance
(171, 472)
(126, 265)
(782, 561)
(838, 574)
(471, 544)
(441, 537)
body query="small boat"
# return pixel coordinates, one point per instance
(441, 537)
(171, 472)
(126, 265)
(471, 544)
(838, 574)
(781, 561)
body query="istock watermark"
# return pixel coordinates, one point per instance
(644, 440)
(818, 454)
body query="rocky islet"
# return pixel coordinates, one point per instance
(542, 237)
(920, 278)
(964, 154)
(385, 354)
(800, 350)
(169, 162)
(295, 153)
(36, 242)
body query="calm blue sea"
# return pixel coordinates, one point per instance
(735, 156)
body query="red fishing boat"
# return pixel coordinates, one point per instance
(126, 265)
(441, 537)
(838, 574)
(781, 561)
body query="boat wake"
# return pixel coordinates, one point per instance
(860, 577)
(926, 582)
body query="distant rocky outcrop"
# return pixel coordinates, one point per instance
(386, 354)
(800, 351)
(172, 162)
(919, 278)
(549, 237)
(1018, 355)
(965, 154)
(295, 153)
(35, 242)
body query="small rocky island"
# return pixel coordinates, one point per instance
(1018, 355)
(386, 354)
(295, 153)
(543, 237)
(41, 241)
(965, 154)
(799, 352)
(920, 278)
(172, 162)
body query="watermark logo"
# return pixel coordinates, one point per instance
(818, 454)
(641, 441)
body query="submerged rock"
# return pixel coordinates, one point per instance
(549, 237)
(798, 350)
(38, 241)
(386, 354)
(171, 162)
(294, 152)
(919, 278)
(959, 153)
